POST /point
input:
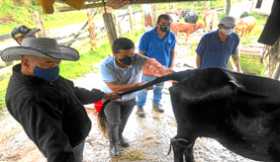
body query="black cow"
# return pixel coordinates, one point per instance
(189, 16)
(241, 111)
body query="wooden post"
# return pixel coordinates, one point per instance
(118, 25)
(154, 14)
(91, 27)
(39, 23)
(227, 7)
(148, 18)
(110, 27)
(130, 18)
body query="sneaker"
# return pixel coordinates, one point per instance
(157, 108)
(114, 150)
(140, 112)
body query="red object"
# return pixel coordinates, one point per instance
(98, 105)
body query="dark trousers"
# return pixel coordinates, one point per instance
(78, 152)
(117, 113)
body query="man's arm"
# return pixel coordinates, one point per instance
(236, 62)
(42, 122)
(200, 50)
(173, 54)
(152, 67)
(198, 60)
(117, 88)
(89, 96)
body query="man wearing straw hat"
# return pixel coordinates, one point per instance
(48, 106)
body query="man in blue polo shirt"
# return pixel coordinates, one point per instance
(158, 43)
(215, 48)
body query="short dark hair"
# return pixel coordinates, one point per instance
(122, 44)
(165, 17)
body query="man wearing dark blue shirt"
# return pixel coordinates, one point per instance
(215, 48)
(158, 43)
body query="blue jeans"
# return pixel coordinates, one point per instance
(142, 95)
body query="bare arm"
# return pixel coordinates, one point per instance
(198, 61)
(173, 54)
(122, 87)
(152, 67)
(236, 62)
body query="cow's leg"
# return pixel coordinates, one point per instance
(182, 149)
(183, 143)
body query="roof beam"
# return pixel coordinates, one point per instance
(100, 3)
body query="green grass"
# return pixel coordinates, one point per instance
(15, 15)
(86, 63)
(64, 18)
(251, 65)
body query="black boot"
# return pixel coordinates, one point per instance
(123, 142)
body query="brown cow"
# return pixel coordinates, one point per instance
(210, 19)
(245, 25)
(187, 28)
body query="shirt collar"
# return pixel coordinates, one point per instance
(156, 34)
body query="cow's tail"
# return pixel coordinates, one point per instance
(101, 116)
(101, 120)
(151, 83)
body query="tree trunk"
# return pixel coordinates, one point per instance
(271, 59)
(148, 16)
(91, 27)
(39, 23)
(110, 27)
(228, 7)
(130, 18)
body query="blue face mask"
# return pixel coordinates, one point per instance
(50, 74)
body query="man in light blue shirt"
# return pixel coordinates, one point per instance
(122, 72)
(159, 43)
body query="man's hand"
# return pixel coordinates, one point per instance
(111, 96)
(115, 4)
(153, 68)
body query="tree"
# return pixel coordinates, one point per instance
(228, 7)
(271, 59)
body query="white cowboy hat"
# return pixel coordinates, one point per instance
(41, 47)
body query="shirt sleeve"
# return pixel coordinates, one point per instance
(88, 96)
(173, 43)
(144, 44)
(201, 46)
(42, 122)
(84, 95)
(106, 74)
(140, 60)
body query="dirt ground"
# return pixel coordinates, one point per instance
(149, 137)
